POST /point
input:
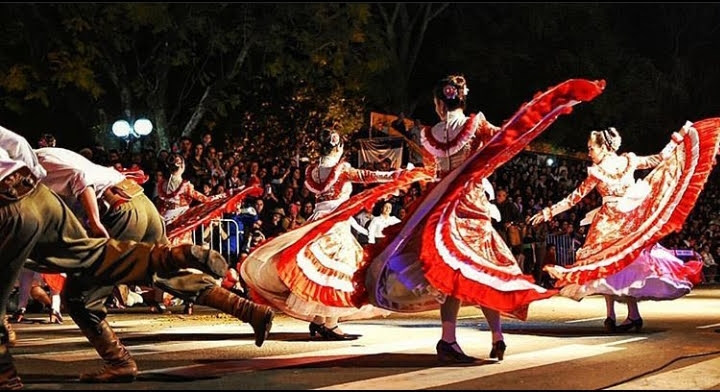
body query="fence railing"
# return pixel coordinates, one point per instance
(222, 235)
(565, 248)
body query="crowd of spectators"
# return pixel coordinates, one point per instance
(526, 184)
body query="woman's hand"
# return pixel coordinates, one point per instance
(543, 216)
(536, 219)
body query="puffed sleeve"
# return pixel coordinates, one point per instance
(19, 149)
(484, 132)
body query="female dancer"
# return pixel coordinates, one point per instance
(175, 193)
(311, 273)
(31, 286)
(448, 252)
(621, 258)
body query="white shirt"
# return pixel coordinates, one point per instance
(378, 224)
(17, 152)
(69, 173)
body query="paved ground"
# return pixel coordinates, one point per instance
(561, 346)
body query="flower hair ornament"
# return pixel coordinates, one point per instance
(450, 92)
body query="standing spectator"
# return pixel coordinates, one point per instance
(233, 179)
(198, 172)
(307, 209)
(380, 222)
(253, 178)
(206, 140)
(508, 226)
(550, 259)
(414, 135)
(293, 220)
(709, 265)
(274, 227)
(186, 148)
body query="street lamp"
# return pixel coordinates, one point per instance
(122, 128)
(141, 127)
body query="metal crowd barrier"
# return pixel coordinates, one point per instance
(564, 248)
(219, 244)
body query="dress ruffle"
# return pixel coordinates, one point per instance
(657, 274)
(466, 258)
(56, 282)
(674, 188)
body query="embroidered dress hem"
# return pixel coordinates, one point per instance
(656, 275)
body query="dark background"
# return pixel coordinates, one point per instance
(72, 69)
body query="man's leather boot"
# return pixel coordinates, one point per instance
(11, 336)
(258, 316)
(9, 379)
(119, 365)
(171, 258)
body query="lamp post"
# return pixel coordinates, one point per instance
(123, 129)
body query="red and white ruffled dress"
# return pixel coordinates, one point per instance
(464, 256)
(448, 245)
(620, 256)
(317, 269)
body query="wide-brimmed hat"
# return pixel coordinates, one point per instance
(279, 211)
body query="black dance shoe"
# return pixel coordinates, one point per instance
(498, 350)
(317, 329)
(637, 324)
(330, 334)
(610, 326)
(18, 316)
(447, 353)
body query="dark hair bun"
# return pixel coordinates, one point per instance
(452, 90)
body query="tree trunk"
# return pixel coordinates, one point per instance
(201, 107)
(198, 114)
(126, 102)
(404, 35)
(162, 137)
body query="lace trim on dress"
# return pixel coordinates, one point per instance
(452, 146)
(312, 178)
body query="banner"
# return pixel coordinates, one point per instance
(380, 122)
(377, 149)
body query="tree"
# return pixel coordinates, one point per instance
(403, 29)
(183, 65)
